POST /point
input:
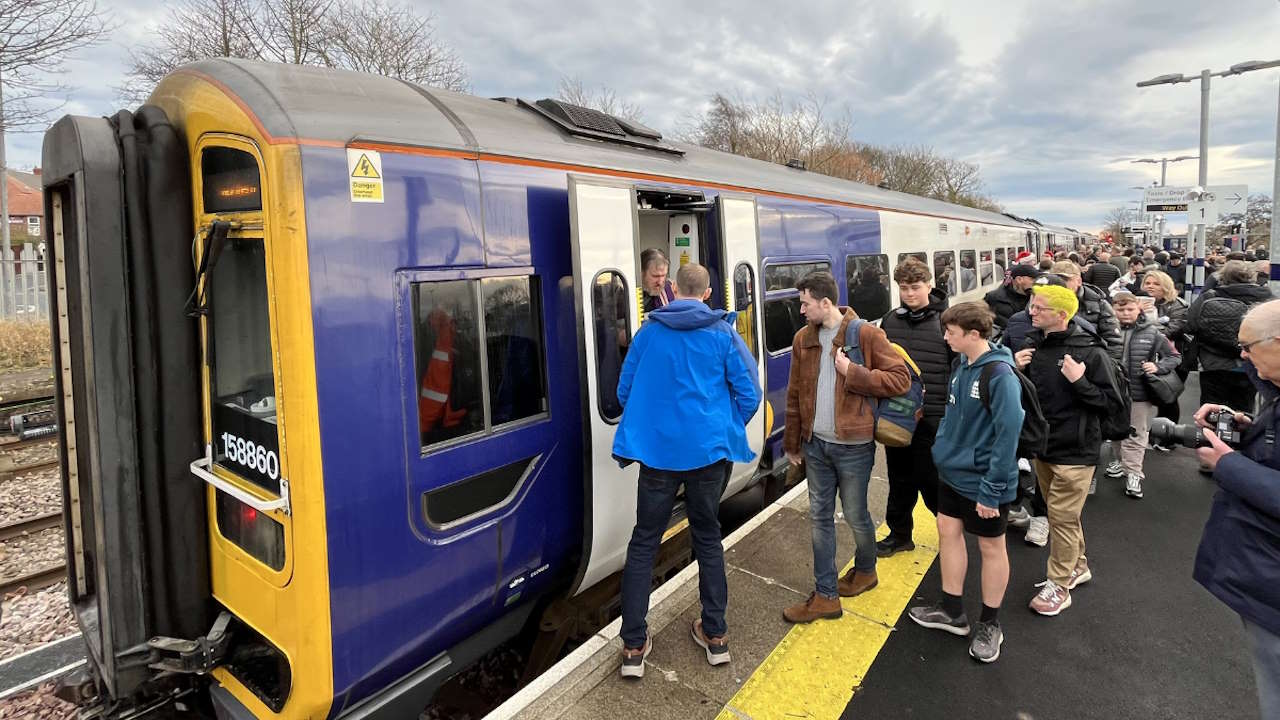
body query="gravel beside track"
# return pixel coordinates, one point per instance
(38, 704)
(30, 454)
(33, 619)
(29, 552)
(30, 494)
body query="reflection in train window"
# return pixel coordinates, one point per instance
(968, 270)
(985, 270)
(744, 290)
(447, 352)
(785, 277)
(513, 340)
(944, 271)
(867, 282)
(782, 320)
(610, 307)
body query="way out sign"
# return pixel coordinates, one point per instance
(364, 173)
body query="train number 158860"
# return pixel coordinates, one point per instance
(251, 455)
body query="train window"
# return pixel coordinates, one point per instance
(1001, 262)
(968, 270)
(610, 301)
(921, 256)
(782, 320)
(944, 271)
(447, 343)
(243, 381)
(513, 341)
(785, 277)
(985, 269)
(744, 289)
(230, 180)
(867, 280)
(463, 500)
(254, 532)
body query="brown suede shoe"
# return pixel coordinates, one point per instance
(855, 583)
(816, 607)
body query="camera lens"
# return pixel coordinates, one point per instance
(1164, 430)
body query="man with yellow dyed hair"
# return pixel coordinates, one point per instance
(1069, 366)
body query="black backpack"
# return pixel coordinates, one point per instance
(1034, 435)
(1115, 422)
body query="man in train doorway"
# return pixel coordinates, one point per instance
(831, 430)
(687, 350)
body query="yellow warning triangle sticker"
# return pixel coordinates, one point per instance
(365, 169)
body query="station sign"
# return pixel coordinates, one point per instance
(1167, 199)
(1219, 200)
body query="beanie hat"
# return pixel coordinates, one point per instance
(1024, 271)
(1058, 298)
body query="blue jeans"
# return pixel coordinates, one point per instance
(655, 496)
(829, 466)
(1266, 667)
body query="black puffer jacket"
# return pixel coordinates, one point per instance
(1173, 319)
(1144, 342)
(1101, 274)
(919, 332)
(1214, 321)
(1004, 302)
(1095, 307)
(1073, 410)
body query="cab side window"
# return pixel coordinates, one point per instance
(782, 318)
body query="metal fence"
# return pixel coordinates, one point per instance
(24, 289)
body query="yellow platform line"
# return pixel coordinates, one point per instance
(815, 670)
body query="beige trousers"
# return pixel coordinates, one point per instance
(1064, 488)
(1134, 449)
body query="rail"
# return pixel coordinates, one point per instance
(37, 579)
(30, 525)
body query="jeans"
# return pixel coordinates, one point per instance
(1266, 667)
(655, 497)
(847, 467)
(911, 473)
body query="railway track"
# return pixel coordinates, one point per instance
(35, 580)
(21, 444)
(30, 525)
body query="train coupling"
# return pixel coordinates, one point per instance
(191, 657)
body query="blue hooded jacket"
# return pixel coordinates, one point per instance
(976, 450)
(688, 387)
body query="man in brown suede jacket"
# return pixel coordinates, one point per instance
(830, 428)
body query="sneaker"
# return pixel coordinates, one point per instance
(1019, 518)
(717, 647)
(933, 616)
(1093, 485)
(891, 545)
(1024, 465)
(855, 583)
(1162, 448)
(1114, 470)
(633, 659)
(1133, 486)
(1038, 531)
(817, 607)
(987, 639)
(1080, 575)
(1052, 599)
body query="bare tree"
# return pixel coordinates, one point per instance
(35, 37)
(377, 36)
(956, 180)
(603, 98)
(389, 39)
(1115, 221)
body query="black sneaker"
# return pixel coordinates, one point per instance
(633, 659)
(717, 648)
(933, 616)
(987, 639)
(891, 545)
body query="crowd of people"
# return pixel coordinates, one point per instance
(1062, 369)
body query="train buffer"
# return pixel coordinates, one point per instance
(1142, 640)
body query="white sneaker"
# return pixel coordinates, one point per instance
(1133, 486)
(1115, 470)
(1024, 465)
(1019, 518)
(1038, 531)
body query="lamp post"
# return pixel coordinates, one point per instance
(1164, 163)
(1195, 268)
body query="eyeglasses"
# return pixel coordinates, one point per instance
(1248, 347)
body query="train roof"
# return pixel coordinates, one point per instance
(305, 103)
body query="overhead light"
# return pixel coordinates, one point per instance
(1252, 65)
(1162, 79)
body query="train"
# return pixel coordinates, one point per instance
(336, 362)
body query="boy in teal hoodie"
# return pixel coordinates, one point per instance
(976, 456)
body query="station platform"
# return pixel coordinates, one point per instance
(1141, 640)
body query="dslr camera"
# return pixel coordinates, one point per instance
(1223, 423)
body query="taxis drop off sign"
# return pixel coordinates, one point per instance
(364, 173)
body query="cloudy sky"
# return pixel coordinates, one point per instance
(1042, 95)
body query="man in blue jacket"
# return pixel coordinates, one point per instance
(688, 388)
(976, 452)
(1239, 556)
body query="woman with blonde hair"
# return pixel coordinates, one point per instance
(1171, 311)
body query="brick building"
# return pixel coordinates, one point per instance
(26, 208)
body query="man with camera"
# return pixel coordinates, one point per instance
(1239, 557)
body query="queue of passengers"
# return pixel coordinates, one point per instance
(1047, 367)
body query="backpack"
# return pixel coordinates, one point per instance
(1034, 435)
(1222, 337)
(895, 417)
(1115, 422)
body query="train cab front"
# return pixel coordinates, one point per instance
(190, 450)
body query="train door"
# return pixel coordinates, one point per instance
(604, 226)
(740, 255)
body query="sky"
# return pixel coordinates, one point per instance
(1041, 95)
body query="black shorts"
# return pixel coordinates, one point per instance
(953, 504)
